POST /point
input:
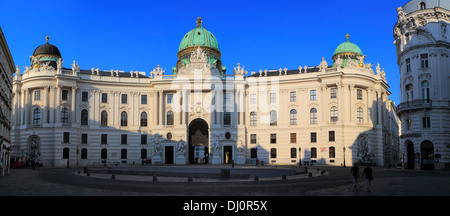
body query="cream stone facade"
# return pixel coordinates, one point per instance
(336, 114)
(423, 43)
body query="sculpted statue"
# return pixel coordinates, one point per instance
(339, 62)
(401, 15)
(323, 65)
(377, 68)
(181, 146)
(75, 67)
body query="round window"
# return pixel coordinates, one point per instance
(169, 136)
(227, 135)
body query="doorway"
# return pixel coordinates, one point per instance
(227, 154)
(168, 154)
(410, 154)
(198, 141)
(427, 160)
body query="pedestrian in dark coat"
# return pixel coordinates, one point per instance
(367, 172)
(355, 173)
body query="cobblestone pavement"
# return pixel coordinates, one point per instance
(336, 181)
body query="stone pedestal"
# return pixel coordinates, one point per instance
(180, 159)
(240, 159)
(156, 159)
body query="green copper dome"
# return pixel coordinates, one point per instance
(348, 47)
(199, 37)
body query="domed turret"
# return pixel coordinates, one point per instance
(347, 50)
(199, 37)
(45, 53)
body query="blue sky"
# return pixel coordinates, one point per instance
(139, 35)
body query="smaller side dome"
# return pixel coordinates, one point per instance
(44, 53)
(347, 50)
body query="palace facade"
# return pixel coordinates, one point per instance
(336, 114)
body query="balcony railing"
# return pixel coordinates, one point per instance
(414, 104)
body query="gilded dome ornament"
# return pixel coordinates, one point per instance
(199, 22)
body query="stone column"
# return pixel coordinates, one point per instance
(26, 95)
(161, 107)
(46, 104)
(52, 105)
(155, 107)
(73, 104)
(58, 104)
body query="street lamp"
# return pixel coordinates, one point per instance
(344, 155)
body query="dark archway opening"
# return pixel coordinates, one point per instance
(427, 152)
(410, 154)
(198, 142)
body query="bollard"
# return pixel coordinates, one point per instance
(322, 172)
(256, 178)
(310, 174)
(113, 176)
(190, 179)
(155, 179)
(88, 173)
(283, 177)
(79, 171)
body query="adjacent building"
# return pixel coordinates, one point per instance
(332, 113)
(423, 44)
(7, 70)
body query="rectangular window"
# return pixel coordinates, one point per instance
(293, 96)
(273, 138)
(37, 95)
(143, 99)
(293, 137)
(359, 94)
(104, 139)
(313, 152)
(64, 94)
(253, 99)
(226, 118)
(104, 98)
(333, 92)
(331, 136)
(253, 138)
(426, 122)
(293, 153)
(273, 98)
(123, 139)
(313, 137)
(424, 60)
(169, 98)
(124, 98)
(84, 96)
(144, 139)
(312, 94)
(226, 98)
(66, 138)
(84, 138)
(408, 65)
(273, 153)
(331, 153)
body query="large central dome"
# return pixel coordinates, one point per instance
(199, 37)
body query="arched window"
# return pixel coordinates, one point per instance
(143, 153)
(123, 154)
(273, 117)
(66, 153)
(422, 5)
(313, 116)
(83, 153)
(313, 152)
(253, 118)
(331, 152)
(409, 92)
(123, 119)
(273, 153)
(37, 116)
(359, 115)
(104, 118)
(293, 152)
(143, 119)
(84, 117)
(426, 91)
(169, 118)
(293, 117)
(64, 116)
(334, 114)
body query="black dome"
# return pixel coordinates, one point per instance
(48, 49)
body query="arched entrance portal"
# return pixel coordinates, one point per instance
(410, 154)
(198, 142)
(427, 151)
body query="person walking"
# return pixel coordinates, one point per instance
(355, 172)
(367, 172)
